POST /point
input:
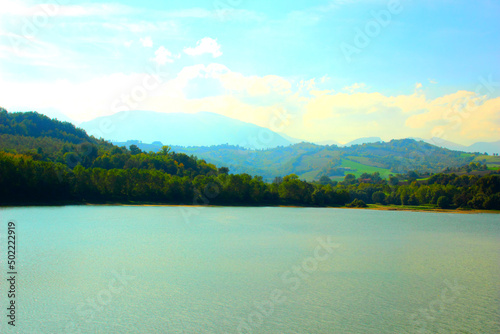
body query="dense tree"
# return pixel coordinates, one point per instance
(443, 202)
(378, 197)
(134, 149)
(393, 181)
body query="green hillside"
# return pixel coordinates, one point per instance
(359, 168)
(310, 161)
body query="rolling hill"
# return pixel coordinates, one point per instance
(311, 161)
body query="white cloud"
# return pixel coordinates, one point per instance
(354, 87)
(307, 85)
(205, 45)
(461, 117)
(312, 114)
(163, 56)
(128, 43)
(324, 78)
(147, 42)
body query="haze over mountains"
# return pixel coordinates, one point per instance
(200, 129)
(481, 147)
(207, 129)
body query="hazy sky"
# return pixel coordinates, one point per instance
(315, 70)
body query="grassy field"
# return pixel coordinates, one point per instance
(310, 176)
(364, 161)
(493, 162)
(360, 168)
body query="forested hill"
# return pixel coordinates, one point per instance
(37, 125)
(310, 161)
(45, 139)
(40, 138)
(42, 159)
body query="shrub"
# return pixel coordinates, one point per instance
(443, 202)
(357, 203)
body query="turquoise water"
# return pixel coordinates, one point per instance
(125, 269)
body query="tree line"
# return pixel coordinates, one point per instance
(159, 178)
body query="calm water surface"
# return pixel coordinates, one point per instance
(125, 269)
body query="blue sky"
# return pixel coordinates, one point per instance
(337, 70)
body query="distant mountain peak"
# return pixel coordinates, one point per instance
(184, 129)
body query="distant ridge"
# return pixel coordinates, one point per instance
(200, 129)
(481, 147)
(291, 139)
(328, 142)
(364, 140)
(207, 129)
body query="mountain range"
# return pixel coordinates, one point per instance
(207, 129)
(481, 147)
(200, 129)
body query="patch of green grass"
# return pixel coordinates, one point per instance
(364, 161)
(403, 207)
(309, 176)
(360, 168)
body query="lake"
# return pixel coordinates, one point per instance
(167, 269)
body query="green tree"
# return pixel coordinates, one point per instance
(134, 149)
(443, 202)
(324, 180)
(378, 197)
(478, 201)
(223, 170)
(318, 197)
(165, 150)
(393, 181)
(349, 179)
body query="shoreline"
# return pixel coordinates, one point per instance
(425, 209)
(374, 207)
